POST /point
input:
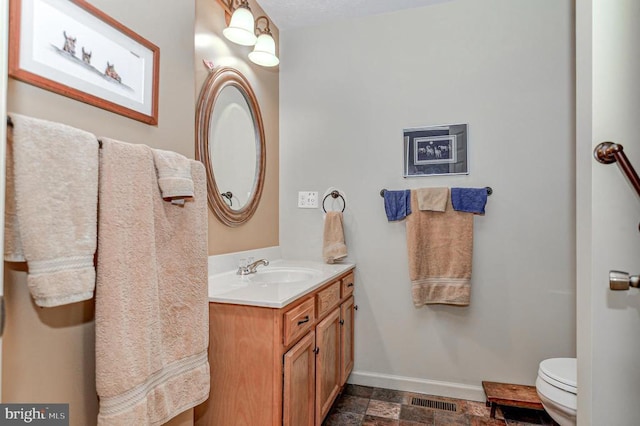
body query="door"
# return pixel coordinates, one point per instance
(346, 339)
(327, 363)
(607, 212)
(299, 383)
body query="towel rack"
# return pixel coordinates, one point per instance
(228, 196)
(488, 188)
(609, 152)
(334, 194)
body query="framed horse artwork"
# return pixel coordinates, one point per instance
(436, 150)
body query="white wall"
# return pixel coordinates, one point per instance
(608, 344)
(503, 66)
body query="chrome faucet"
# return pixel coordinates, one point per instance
(252, 267)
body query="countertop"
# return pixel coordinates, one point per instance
(228, 287)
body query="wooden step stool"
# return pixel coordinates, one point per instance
(510, 395)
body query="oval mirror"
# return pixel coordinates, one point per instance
(230, 142)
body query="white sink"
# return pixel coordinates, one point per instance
(283, 275)
(274, 286)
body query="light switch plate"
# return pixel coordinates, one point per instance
(308, 199)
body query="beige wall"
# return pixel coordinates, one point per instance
(48, 354)
(262, 229)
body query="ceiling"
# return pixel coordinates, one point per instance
(303, 13)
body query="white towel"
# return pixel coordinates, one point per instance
(174, 175)
(51, 208)
(152, 310)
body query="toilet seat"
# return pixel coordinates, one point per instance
(560, 372)
(557, 388)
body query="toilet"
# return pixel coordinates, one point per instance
(557, 388)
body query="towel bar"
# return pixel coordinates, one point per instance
(489, 191)
(10, 124)
(334, 194)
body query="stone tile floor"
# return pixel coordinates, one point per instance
(367, 406)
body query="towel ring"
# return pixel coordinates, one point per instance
(334, 194)
(228, 197)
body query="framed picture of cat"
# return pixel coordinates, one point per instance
(72, 48)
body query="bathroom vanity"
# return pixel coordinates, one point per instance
(281, 344)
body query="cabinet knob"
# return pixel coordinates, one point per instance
(341, 322)
(306, 319)
(350, 285)
(316, 350)
(355, 307)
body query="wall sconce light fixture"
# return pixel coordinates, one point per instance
(242, 28)
(264, 52)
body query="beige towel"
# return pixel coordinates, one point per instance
(333, 249)
(151, 294)
(174, 175)
(51, 208)
(434, 199)
(13, 251)
(440, 246)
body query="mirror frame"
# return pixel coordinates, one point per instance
(216, 81)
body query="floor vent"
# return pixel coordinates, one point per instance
(438, 405)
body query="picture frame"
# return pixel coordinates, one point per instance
(72, 48)
(436, 150)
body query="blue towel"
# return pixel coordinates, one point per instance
(397, 204)
(470, 200)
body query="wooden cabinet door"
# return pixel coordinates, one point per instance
(327, 363)
(346, 339)
(299, 383)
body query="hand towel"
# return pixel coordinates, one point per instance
(440, 248)
(151, 294)
(397, 204)
(333, 248)
(51, 215)
(470, 200)
(174, 174)
(434, 199)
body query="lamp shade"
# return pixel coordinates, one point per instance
(240, 29)
(264, 53)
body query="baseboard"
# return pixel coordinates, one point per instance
(412, 384)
